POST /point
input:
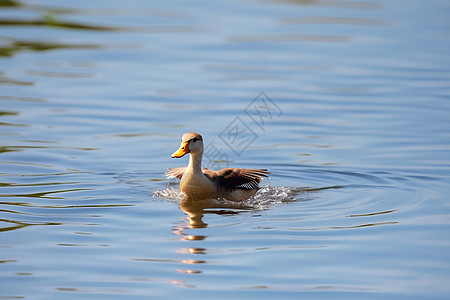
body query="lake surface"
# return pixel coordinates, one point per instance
(346, 102)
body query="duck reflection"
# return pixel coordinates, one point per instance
(194, 222)
(196, 209)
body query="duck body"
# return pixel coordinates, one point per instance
(194, 182)
(201, 183)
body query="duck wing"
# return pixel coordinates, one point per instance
(178, 172)
(234, 178)
(175, 172)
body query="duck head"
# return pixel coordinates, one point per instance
(192, 143)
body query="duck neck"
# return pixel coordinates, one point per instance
(195, 163)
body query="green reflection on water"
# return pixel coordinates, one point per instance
(66, 206)
(19, 225)
(49, 20)
(24, 99)
(7, 80)
(8, 113)
(45, 194)
(9, 3)
(8, 184)
(13, 124)
(20, 148)
(22, 45)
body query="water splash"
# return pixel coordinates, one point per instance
(266, 196)
(270, 195)
(169, 193)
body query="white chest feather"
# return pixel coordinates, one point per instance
(197, 186)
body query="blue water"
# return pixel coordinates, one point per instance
(346, 102)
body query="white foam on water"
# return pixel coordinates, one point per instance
(269, 195)
(265, 196)
(170, 193)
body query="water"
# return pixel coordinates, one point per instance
(346, 102)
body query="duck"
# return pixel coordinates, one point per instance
(201, 183)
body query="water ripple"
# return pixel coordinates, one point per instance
(95, 97)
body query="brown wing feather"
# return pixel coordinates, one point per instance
(233, 178)
(229, 178)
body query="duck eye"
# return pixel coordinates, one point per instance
(194, 140)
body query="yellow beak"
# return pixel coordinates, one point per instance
(182, 151)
